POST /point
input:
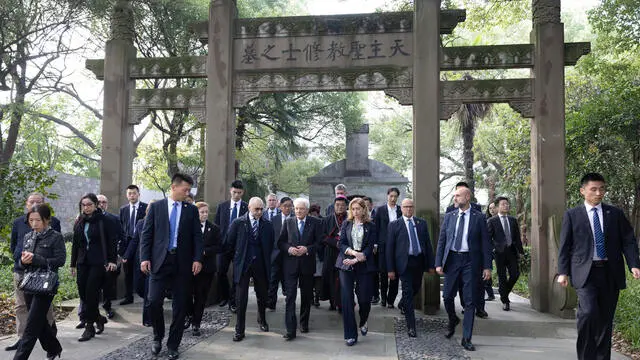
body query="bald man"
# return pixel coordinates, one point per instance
(463, 251)
(250, 238)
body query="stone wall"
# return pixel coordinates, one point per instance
(69, 189)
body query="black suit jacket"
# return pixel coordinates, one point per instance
(368, 240)
(125, 246)
(154, 241)
(276, 223)
(290, 237)
(381, 219)
(212, 245)
(477, 239)
(498, 237)
(237, 240)
(576, 247)
(397, 247)
(223, 215)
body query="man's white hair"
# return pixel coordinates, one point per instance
(340, 187)
(301, 202)
(256, 201)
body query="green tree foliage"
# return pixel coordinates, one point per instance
(617, 22)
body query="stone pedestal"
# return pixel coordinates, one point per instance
(547, 149)
(221, 120)
(426, 131)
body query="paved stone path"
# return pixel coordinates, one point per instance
(521, 334)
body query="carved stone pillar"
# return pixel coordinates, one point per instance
(117, 129)
(547, 149)
(426, 132)
(220, 156)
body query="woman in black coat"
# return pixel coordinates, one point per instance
(356, 264)
(43, 249)
(93, 253)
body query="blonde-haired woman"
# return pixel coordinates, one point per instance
(355, 261)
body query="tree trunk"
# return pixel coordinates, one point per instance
(468, 133)
(200, 191)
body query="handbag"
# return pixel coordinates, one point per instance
(40, 282)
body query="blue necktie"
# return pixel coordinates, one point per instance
(234, 213)
(414, 239)
(132, 221)
(173, 224)
(301, 228)
(458, 241)
(601, 251)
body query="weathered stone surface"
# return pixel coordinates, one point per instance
(429, 344)
(329, 25)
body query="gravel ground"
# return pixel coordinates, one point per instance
(430, 342)
(212, 322)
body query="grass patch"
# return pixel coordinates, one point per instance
(626, 321)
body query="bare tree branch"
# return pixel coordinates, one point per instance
(73, 129)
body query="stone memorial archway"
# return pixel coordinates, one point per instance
(399, 53)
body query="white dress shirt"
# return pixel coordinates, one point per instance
(415, 231)
(464, 247)
(393, 215)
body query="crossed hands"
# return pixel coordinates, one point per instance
(299, 250)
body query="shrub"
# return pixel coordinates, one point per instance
(628, 312)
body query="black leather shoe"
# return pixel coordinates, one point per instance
(482, 314)
(126, 301)
(147, 324)
(155, 347)
(411, 332)
(196, 331)
(288, 336)
(506, 307)
(375, 300)
(223, 303)
(364, 329)
(490, 298)
(88, 333)
(264, 326)
(110, 314)
(172, 354)
(54, 355)
(100, 324)
(451, 328)
(80, 325)
(390, 305)
(187, 322)
(350, 342)
(13, 347)
(467, 345)
(383, 303)
(233, 308)
(238, 337)
(304, 329)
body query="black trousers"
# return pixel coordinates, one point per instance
(128, 269)
(388, 288)
(109, 289)
(225, 291)
(363, 291)
(306, 294)
(37, 328)
(506, 261)
(411, 283)
(597, 302)
(275, 280)
(180, 284)
(90, 279)
(260, 285)
(201, 286)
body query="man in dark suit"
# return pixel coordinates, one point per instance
(272, 207)
(409, 255)
(109, 289)
(298, 242)
(251, 239)
(504, 233)
(275, 277)
(339, 190)
(129, 216)
(594, 237)
(463, 250)
(382, 216)
(479, 298)
(171, 252)
(226, 212)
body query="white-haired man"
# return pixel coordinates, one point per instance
(339, 190)
(298, 243)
